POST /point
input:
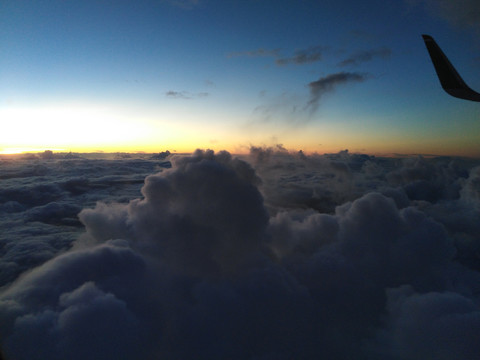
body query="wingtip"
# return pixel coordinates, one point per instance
(449, 78)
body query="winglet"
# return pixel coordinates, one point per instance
(449, 78)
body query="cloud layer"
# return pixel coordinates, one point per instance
(272, 255)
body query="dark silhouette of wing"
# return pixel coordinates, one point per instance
(451, 81)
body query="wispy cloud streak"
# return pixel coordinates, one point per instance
(329, 83)
(305, 56)
(300, 57)
(365, 56)
(184, 95)
(256, 53)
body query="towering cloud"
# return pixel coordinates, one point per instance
(202, 216)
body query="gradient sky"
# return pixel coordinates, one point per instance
(320, 76)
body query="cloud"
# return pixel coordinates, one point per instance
(364, 56)
(430, 325)
(40, 201)
(310, 55)
(329, 83)
(282, 107)
(300, 57)
(275, 254)
(181, 223)
(185, 95)
(470, 192)
(75, 317)
(256, 53)
(177, 94)
(289, 104)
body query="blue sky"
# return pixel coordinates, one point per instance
(156, 75)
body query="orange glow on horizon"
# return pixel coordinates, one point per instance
(91, 128)
(402, 150)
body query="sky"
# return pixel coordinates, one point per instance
(336, 214)
(177, 75)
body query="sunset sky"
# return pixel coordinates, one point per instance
(284, 246)
(177, 75)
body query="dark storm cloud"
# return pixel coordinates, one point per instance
(272, 256)
(304, 56)
(365, 56)
(329, 83)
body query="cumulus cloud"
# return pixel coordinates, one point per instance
(470, 192)
(329, 83)
(430, 325)
(365, 56)
(40, 201)
(58, 306)
(275, 254)
(182, 207)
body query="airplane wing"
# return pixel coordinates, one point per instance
(449, 78)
